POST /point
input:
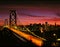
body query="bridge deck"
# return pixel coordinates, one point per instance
(9, 38)
(29, 37)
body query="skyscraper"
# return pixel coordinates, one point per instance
(46, 26)
(6, 22)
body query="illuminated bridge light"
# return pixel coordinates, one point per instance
(36, 41)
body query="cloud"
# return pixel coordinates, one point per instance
(51, 19)
(36, 16)
(31, 15)
(58, 14)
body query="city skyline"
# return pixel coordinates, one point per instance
(32, 13)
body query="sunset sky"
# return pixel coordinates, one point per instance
(31, 12)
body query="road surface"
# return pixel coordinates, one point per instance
(8, 38)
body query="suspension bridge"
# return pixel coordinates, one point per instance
(13, 27)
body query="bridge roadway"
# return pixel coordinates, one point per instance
(34, 40)
(9, 38)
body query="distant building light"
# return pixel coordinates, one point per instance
(54, 34)
(58, 39)
(15, 27)
(5, 26)
(41, 30)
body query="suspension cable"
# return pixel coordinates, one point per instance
(30, 31)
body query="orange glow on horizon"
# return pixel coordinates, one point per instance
(33, 22)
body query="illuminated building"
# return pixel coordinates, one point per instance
(46, 26)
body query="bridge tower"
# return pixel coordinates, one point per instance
(12, 18)
(6, 22)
